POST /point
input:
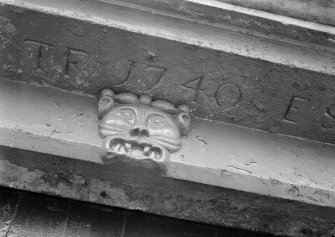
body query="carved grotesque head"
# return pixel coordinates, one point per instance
(139, 127)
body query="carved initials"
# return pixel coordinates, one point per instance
(296, 109)
(74, 57)
(194, 85)
(227, 96)
(38, 51)
(329, 118)
(153, 75)
(146, 76)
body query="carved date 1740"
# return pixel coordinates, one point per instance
(140, 128)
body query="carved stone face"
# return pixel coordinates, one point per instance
(140, 128)
(139, 131)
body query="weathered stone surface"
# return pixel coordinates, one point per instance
(313, 10)
(8, 208)
(114, 185)
(63, 124)
(76, 55)
(38, 217)
(247, 19)
(42, 215)
(196, 183)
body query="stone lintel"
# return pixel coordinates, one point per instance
(246, 67)
(223, 174)
(315, 11)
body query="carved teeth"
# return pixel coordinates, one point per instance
(111, 146)
(152, 154)
(117, 147)
(146, 150)
(141, 151)
(128, 147)
(122, 149)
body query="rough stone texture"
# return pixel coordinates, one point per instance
(8, 209)
(86, 57)
(41, 215)
(108, 185)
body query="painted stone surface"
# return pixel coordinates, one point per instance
(139, 127)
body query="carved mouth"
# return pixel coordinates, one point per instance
(134, 149)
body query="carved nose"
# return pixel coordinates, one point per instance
(139, 131)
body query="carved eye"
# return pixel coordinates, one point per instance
(157, 121)
(126, 114)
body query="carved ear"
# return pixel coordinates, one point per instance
(104, 106)
(184, 121)
(106, 102)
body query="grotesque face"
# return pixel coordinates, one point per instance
(140, 131)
